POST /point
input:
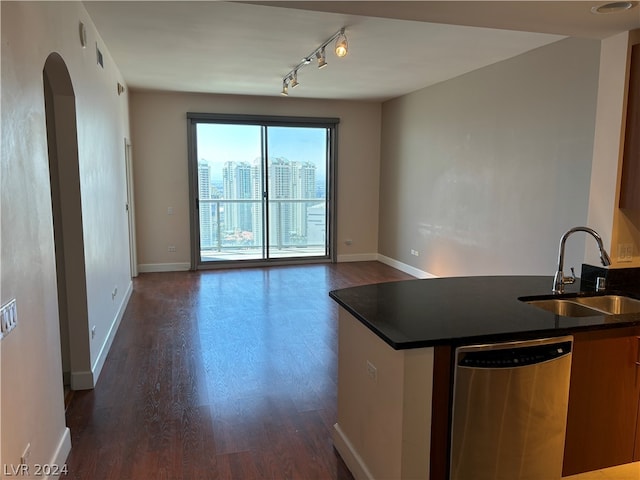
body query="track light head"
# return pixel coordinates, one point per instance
(294, 80)
(322, 59)
(341, 45)
(285, 88)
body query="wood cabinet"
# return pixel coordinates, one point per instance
(603, 426)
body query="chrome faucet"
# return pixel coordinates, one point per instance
(559, 281)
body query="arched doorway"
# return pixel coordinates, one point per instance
(66, 205)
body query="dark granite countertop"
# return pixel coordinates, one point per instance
(461, 310)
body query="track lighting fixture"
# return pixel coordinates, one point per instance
(291, 78)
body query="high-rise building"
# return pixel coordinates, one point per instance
(317, 224)
(280, 210)
(204, 193)
(305, 188)
(289, 184)
(238, 185)
(257, 210)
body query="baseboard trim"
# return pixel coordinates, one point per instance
(354, 257)
(106, 346)
(358, 257)
(82, 380)
(354, 462)
(163, 267)
(86, 380)
(416, 272)
(62, 451)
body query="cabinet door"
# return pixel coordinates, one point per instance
(603, 402)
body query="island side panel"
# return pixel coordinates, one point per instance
(417, 412)
(384, 405)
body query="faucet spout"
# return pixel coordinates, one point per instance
(559, 280)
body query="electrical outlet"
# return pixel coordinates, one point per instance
(93, 332)
(415, 253)
(348, 241)
(172, 248)
(372, 371)
(625, 252)
(114, 293)
(8, 317)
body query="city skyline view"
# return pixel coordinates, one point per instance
(216, 175)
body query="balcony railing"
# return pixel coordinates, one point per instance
(233, 229)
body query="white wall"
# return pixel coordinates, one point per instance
(159, 144)
(483, 173)
(31, 376)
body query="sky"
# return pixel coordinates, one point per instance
(219, 143)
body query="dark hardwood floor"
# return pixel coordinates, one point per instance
(227, 374)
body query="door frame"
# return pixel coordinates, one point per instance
(131, 217)
(330, 123)
(66, 208)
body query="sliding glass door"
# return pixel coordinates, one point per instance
(261, 189)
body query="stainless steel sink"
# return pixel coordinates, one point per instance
(612, 304)
(565, 308)
(587, 306)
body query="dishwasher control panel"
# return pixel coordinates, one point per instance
(513, 357)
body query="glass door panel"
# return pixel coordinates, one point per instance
(296, 168)
(230, 192)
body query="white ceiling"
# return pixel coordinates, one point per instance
(395, 47)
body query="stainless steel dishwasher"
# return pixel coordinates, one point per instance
(510, 410)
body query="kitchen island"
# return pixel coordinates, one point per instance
(396, 344)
